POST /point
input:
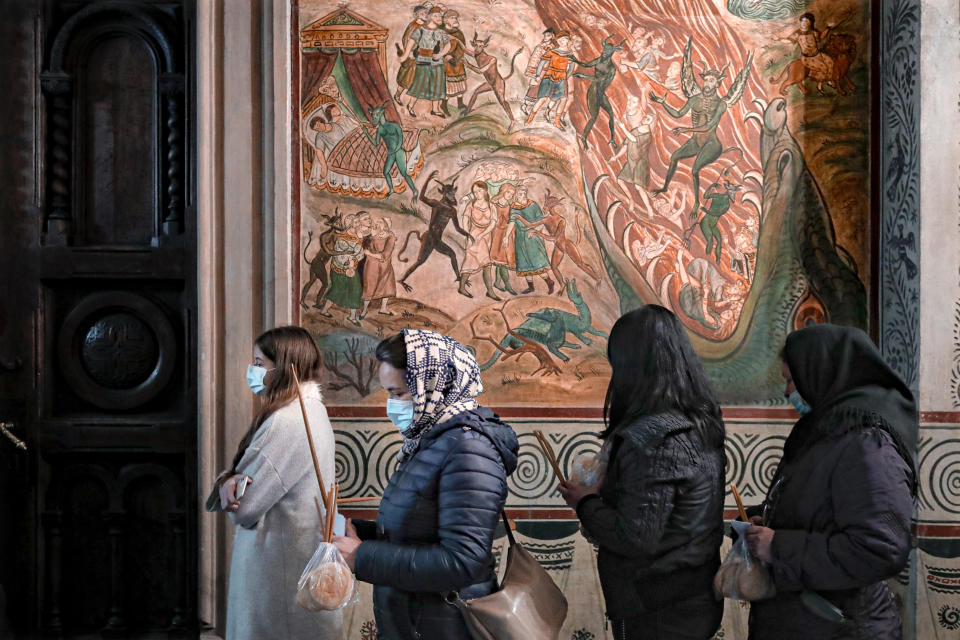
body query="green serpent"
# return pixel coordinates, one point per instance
(797, 251)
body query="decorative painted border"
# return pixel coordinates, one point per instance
(955, 372)
(759, 414)
(367, 450)
(897, 194)
(899, 184)
(763, 414)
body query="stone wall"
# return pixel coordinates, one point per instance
(938, 575)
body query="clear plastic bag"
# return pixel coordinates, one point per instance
(326, 584)
(741, 576)
(589, 469)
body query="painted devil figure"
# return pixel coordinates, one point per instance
(391, 135)
(443, 210)
(720, 198)
(706, 108)
(604, 71)
(320, 263)
(493, 81)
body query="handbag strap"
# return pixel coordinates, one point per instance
(506, 525)
(453, 596)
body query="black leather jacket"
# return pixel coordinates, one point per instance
(435, 527)
(658, 518)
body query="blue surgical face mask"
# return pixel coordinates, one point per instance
(400, 413)
(799, 403)
(255, 376)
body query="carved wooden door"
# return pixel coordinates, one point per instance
(97, 318)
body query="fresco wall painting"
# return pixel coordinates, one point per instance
(517, 174)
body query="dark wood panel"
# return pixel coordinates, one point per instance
(97, 318)
(80, 313)
(84, 563)
(118, 135)
(19, 215)
(64, 262)
(114, 85)
(56, 436)
(116, 553)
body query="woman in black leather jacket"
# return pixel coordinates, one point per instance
(436, 522)
(657, 515)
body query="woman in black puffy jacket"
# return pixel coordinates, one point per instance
(435, 527)
(657, 515)
(837, 514)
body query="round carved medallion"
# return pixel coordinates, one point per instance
(117, 349)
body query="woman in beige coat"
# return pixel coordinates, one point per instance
(276, 518)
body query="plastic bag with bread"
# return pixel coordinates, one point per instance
(741, 576)
(590, 468)
(326, 584)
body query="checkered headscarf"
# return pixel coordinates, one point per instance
(444, 380)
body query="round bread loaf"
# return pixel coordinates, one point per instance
(725, 582)
(587, 470)
(718, 580)
(326, 588)
(754, 583)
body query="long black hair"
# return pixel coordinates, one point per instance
(655, 369)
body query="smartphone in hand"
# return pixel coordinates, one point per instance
(242, 486)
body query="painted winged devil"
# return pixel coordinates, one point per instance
(707, 108)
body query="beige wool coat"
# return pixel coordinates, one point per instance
(278, 528)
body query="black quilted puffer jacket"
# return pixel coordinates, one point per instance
(658, 518)
(435, 527)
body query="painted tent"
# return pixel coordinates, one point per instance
(343, 58)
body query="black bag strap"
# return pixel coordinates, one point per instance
(506, 525)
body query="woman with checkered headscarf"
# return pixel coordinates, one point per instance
(434, 530)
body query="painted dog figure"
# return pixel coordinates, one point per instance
(550, 326)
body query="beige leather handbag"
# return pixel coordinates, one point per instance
(528, 605)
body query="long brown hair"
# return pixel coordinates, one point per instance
(285, 346)
(482, 185)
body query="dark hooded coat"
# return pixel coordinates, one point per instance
(435, 527)
(842, 498)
